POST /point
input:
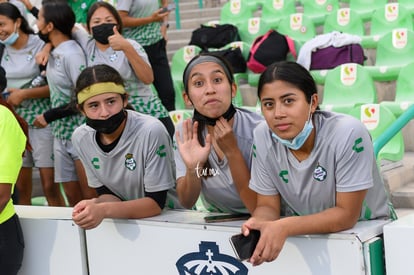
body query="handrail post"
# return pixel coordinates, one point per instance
(177, 15)
(393, 129)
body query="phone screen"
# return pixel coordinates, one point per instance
(244, 246)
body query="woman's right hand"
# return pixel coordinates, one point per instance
(193, 154)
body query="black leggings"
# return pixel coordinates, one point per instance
(11, 246)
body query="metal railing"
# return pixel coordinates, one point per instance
(394, 128)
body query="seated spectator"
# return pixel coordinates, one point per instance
(127, 155)
(214, 149)
(316, 168)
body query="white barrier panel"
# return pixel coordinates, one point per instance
(399, 246)
(179, 242)
(54, 245)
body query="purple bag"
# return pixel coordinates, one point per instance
(330, 57)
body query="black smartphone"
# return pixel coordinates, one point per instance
(244, 246)
(226, 217)
(170, 7)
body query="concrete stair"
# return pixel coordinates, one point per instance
(191, 18)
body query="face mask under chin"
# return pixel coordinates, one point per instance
(107, 126)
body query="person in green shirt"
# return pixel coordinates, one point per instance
(13, 142)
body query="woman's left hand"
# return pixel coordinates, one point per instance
(117, 41)
(16, 96)
(223, 134)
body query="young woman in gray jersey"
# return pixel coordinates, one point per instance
(105, 45)
(316, 168)
(18, 59)
(127, 155)
(67, 59)
(214, 149)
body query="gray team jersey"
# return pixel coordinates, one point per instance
(342, 160)
(219, 193)
(66, 62)
(20, 66)
(117, 60)
(141, 161)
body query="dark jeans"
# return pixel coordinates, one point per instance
(11, 246)
(163, 83)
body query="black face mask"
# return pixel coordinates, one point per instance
(107, 126)
(101, 32)
(44, 37)
(212, 121)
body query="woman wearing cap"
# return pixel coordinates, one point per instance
(215, 147)
(127, 155)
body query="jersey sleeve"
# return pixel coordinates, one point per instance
(124, 5)
(140, 50)
(159, 172)
(261, 181)
(78, 141)
(180, 166)
(74, 65)
(82, 37)
(355, 157)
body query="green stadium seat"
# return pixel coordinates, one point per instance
(394, 51)
(251, 28)
(408, 4)
(377, 119)
(344, 20)
(404, 92)
(365, 8)
(275, 10)
(317, 10)
(299, 27)
(235, 12)
(178, 62)
(238, 77)
(179, 115)
(347, 86)
(384, 20)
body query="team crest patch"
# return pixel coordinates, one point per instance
(130, 162)
(319, 173)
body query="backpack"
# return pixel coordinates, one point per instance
(234, 57)
(215, 36)
(269, 48)
(330, 57)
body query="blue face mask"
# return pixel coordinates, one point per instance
(11, 39)
(300, 139)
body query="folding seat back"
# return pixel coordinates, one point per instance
(273, 11)
(317, 10)
(344, 20)
(347, 86)
(377, 119)
(404, 92)
(299, 27)
(235, 12)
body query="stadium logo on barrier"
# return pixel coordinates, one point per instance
(209, 261)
